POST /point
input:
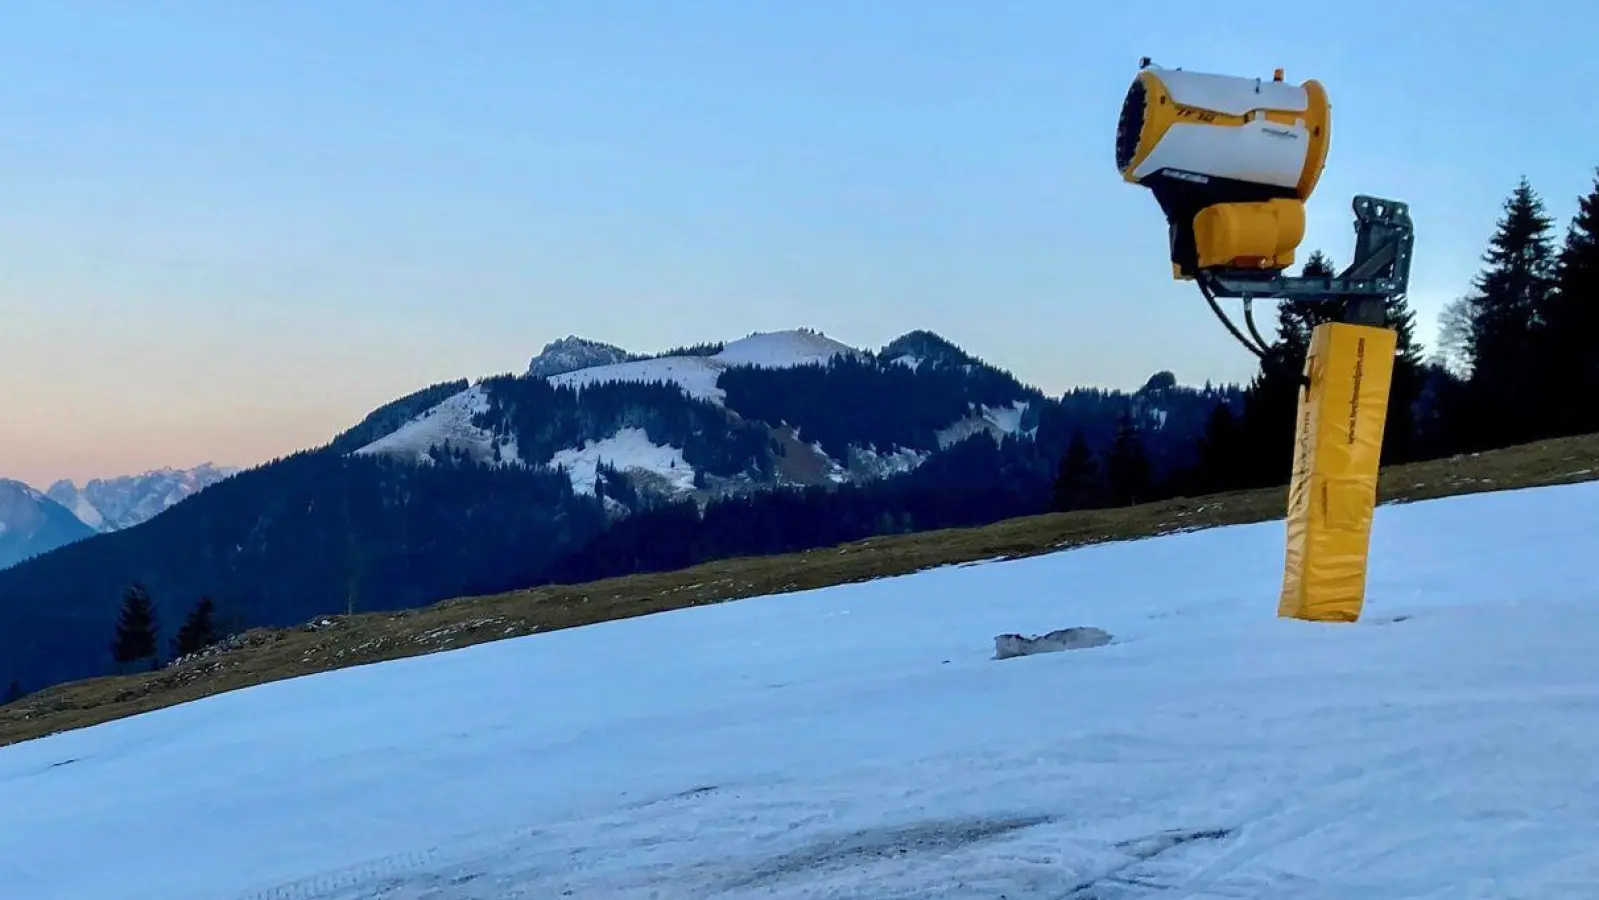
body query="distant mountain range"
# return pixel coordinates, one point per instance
(31, 523)
(100, 506)
(109, 504)
(594, 461)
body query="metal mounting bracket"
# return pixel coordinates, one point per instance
(1384, 242)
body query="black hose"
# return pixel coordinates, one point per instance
(1249, 321)
(1259, 351)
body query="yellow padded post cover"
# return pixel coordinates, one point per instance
(1260, 235)
(1333, 494)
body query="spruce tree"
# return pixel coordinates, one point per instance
(1076, 477)
(136, 628)
(1569, 337)
(13, 693)
(1127, 469)
(198, 631)
(1510, 295)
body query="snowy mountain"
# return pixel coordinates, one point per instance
(461, 422)
(861, 741)
(457, 422)
(111, 504)
(31, 523)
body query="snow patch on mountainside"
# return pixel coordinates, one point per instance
(783, 349)
(450, 423)
(998, 421)
(865, 462)
(697, 375)
(630, 450)
(1007, 418)
(77, 504)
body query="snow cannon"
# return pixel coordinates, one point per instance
(1230, 160)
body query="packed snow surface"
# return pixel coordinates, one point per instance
(630, 449)
(860, 742)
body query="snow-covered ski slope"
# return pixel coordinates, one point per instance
(860, 742)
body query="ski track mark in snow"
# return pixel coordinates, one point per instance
(772, 840)
(1131, 875)
(835, 854)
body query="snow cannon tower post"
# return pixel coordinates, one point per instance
(1231, 161)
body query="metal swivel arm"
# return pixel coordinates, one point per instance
(1384, 241)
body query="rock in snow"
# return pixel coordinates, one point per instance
(1007, 646)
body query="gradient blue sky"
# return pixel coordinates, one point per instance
(228, 229)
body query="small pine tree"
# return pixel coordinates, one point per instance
(1075, 476)
(198, 631)
(136, 628)
(13, 693)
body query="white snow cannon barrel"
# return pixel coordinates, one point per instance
(1230, 160)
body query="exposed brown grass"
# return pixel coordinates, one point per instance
(334, 642)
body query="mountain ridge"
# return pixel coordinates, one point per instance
(32, 524)
(101, 505)
(111, 504)
(455, 420)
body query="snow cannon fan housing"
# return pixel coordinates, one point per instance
(1230, 160)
